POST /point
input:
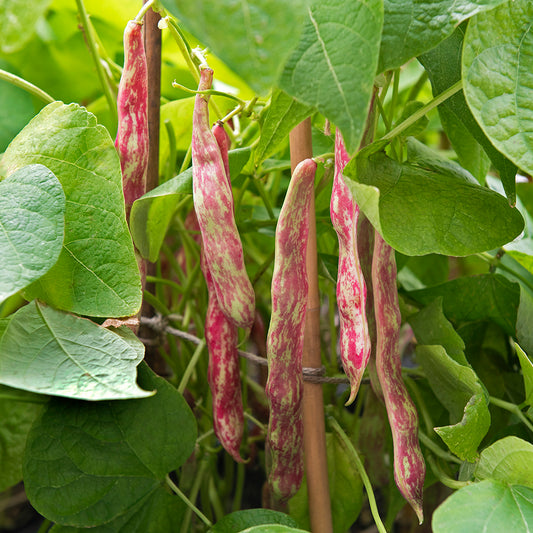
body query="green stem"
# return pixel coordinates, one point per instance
(512, 408)
(26, 86)
(210, 92)
(239, 487)
(144, 9)
(443, 478)
(191, 366)
(188, 502)
(91, 42)
(156, 303)
(354, 458)
(45, 526)
(172, 148)
(183, 46)
(30, 399)
(164, 281)
(264, 196)
(456, 87)
(254, 420)
(214, 499)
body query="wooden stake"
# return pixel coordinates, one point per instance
(152, 44)
(316, 466)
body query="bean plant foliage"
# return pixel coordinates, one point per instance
(110, 425)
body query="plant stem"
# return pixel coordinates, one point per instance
(184, 48)
(456, 87)
(91, 42)
(354, 458)
(443, 478)
(512, 408)
(190, 367)
(188, 502)
(144, 9)
(45, 526)
(254, 420)
(26, 85)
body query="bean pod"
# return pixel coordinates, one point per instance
(284, 386)
(351, 288)
(132, 106)
(223, 372)
(213, 203)
(409, 466)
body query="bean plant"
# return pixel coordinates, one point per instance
(107, 416)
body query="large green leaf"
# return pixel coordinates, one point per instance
(412, 27)
(239, 520)
(96, 273)
(489, 506)
(459, 390)
(17, 20)
(498, 78)
(420, 211)
(509, 460)
(16, 108)
(284, 112)
(32, 226)
(467, 299)
(443, 65)
(151, 214)
(334, 65)
(345, 485)
(51, 352)
(88, 464)
(157, 512)
(18, 410)
(253, 37)
(431, 327)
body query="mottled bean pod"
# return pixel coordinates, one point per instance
(213, 203)
(132, 105)
(285, 335)
(351, 288)
(409, 466)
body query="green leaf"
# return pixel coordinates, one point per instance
(18, 410)
(32, 210)
(431, 327)
(443, 65)
(527, 370)
(158, 512)
(284, 112)
(498, 79)
(96, 273)
(51, 352)
(262, 32)
(16, 108)
(239, 520)
(345, 486)
(87, 464)
(412, 27)
(509, 460)
(489, 506)
(334, 65)
(459, 390)
(151, 214)
(467, 299)
(17, 20)
(524, 333)
(466, 219)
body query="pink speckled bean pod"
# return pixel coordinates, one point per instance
(223, 373)
(213, 203)
(284, 386)
(351, 288)
(409, 466)
(132, 103)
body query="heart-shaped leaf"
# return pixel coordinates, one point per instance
(32, 210)
(51, 352)
(93, 464)
(96, 273)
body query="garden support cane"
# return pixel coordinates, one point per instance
(316, 466)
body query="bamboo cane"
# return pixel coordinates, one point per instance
(316, 466)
